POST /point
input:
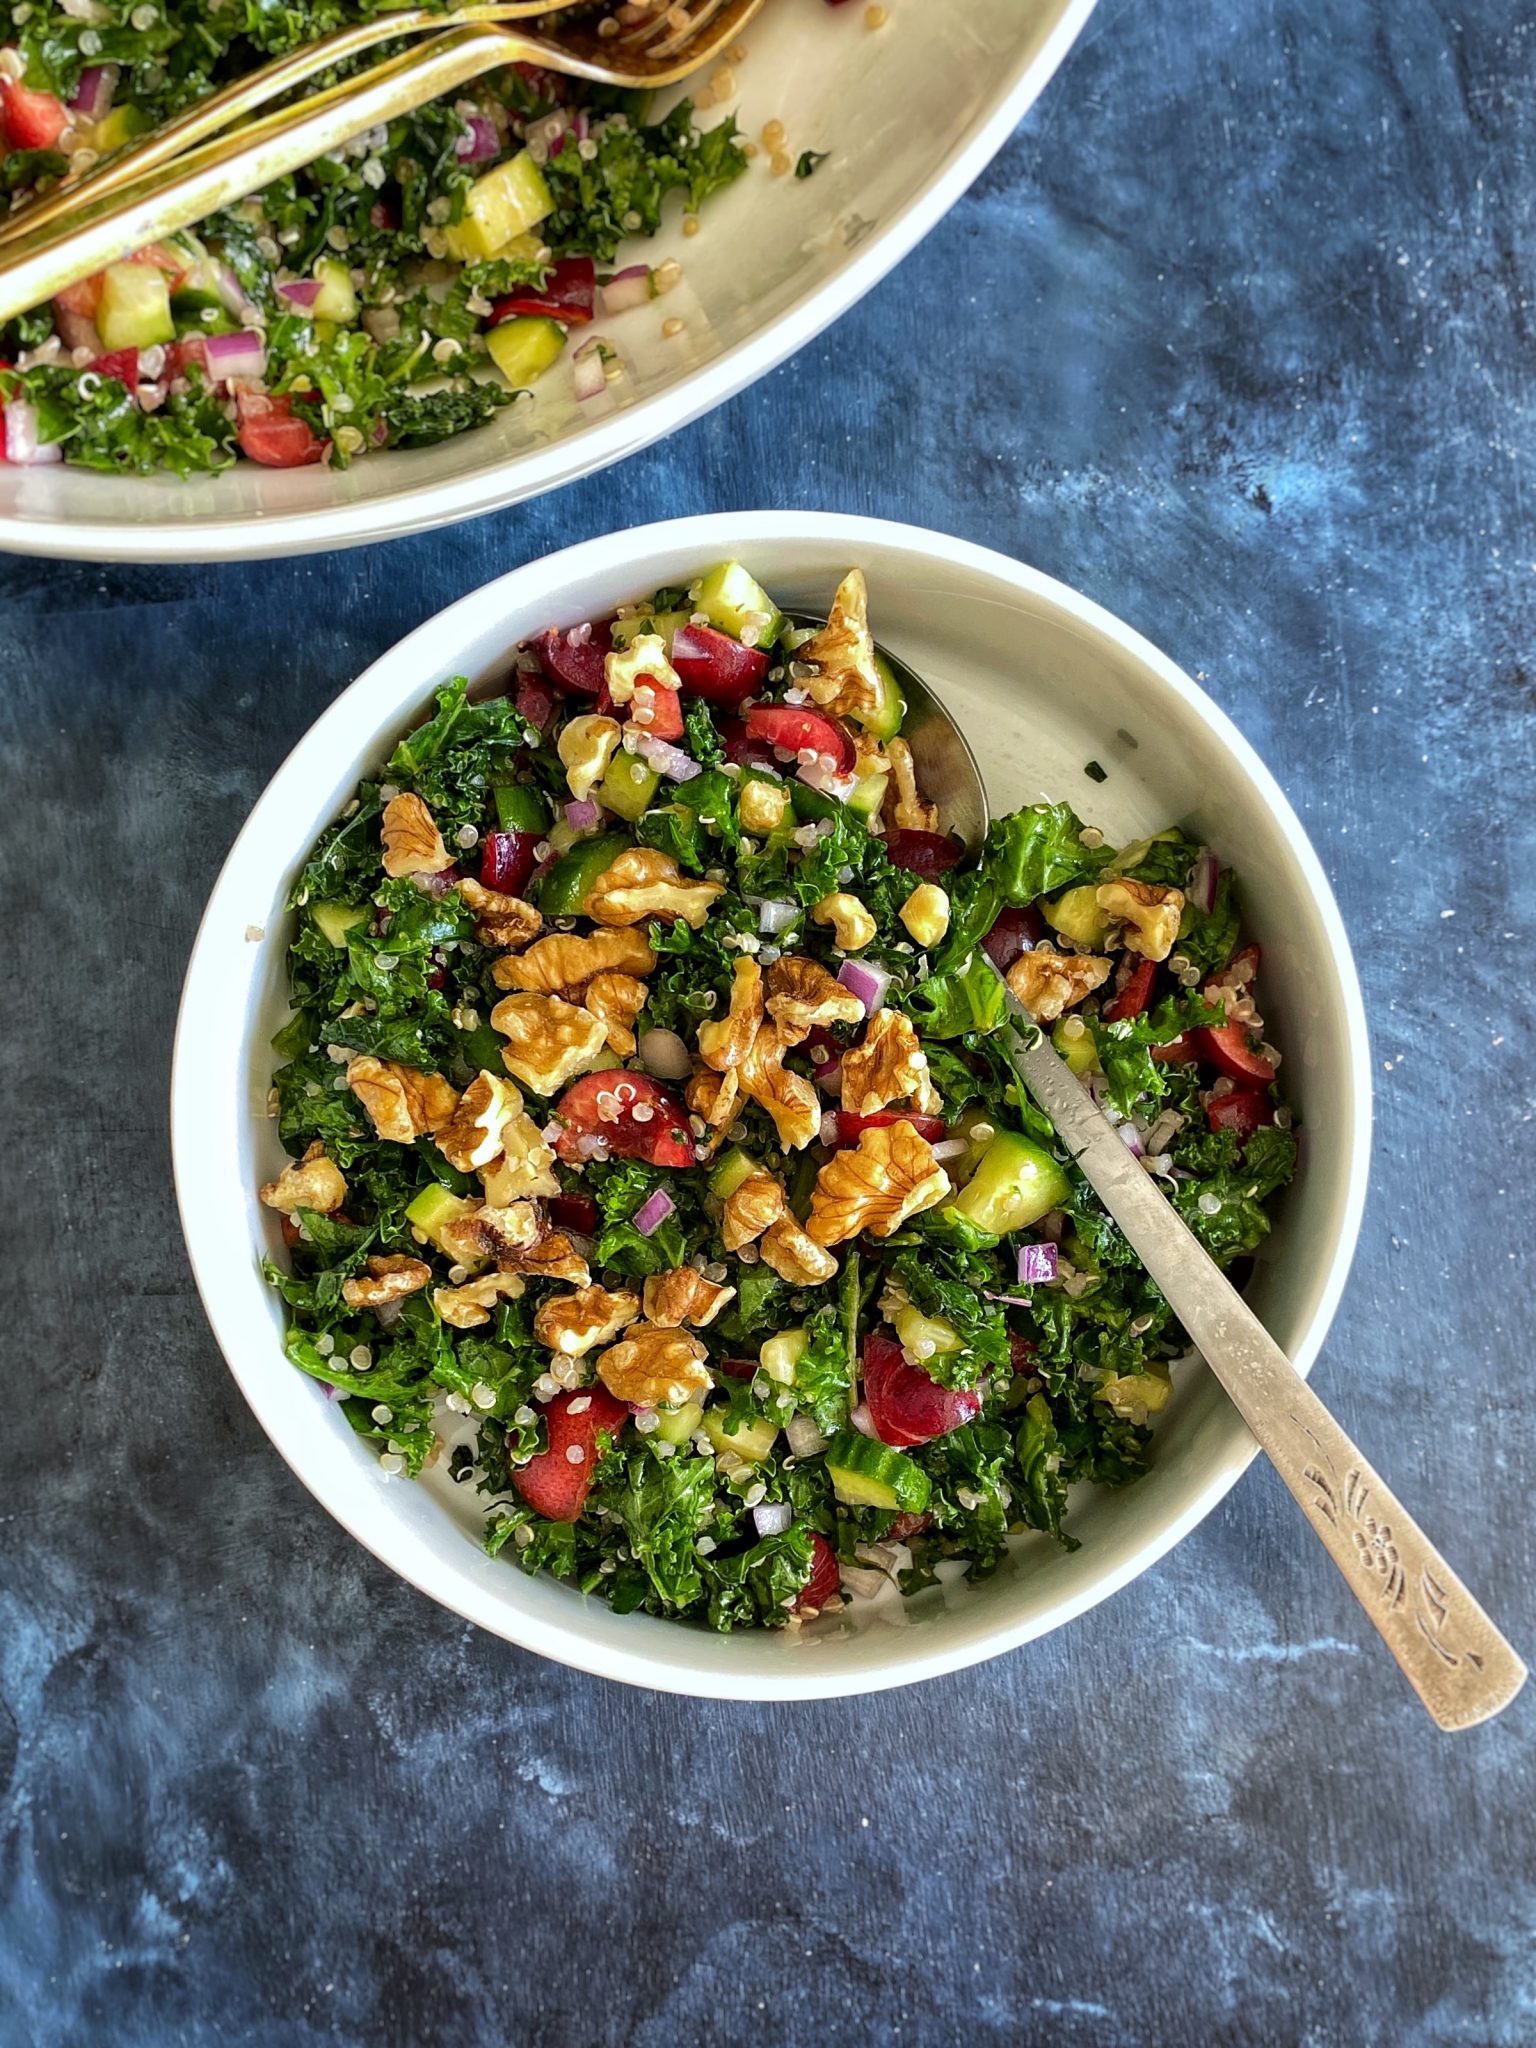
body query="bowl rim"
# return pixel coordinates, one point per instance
(609, 555)
(417, 508)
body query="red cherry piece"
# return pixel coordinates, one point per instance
(1242, 1112)
(1135, 996)
(1014, 932)
(717, 668)
(799, 730)
(555, 1484)
(825, 1581)
(925, 853)
(905, 1405)
(933, 1128)
(644, 1121)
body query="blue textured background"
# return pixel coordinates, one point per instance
(1236, 337)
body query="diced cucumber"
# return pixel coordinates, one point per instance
(628, 785)
(1134, 1391)
(752, 1440)
(867, 796)
(497, 208)
(865, 1474)
(520, 807)
(523, 349)
(114, 129)
(809, 804)
(336, 300)
(676, 1425)
(665, 624)
(1077, 916)
(135, 309)
(778, 1356)
(890, 706)
(197, 289)
(1014, 1185)
(1077, 1048)
(563, 890)
(729, 1171)
(431, 1213)
(922, 1336)
(728, 596)
(337, 919)
(1133, 855)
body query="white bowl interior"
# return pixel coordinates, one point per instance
(1044, 682)
(908, 117)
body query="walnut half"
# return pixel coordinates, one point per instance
(1047, 982)
(888, 1065)
(412, 843)
(316, 1182)
(573, 1323)
(644, 882)
(389, 1278)
(876, 1185)
(1149, 915)
(684, 1296)
(549, 1042)
(655, 1367)
(403, 1104)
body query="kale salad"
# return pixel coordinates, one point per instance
(657, 1161)
(396, 293)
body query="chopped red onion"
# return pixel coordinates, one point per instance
(1132, 1137)
(774, 915)
(1037, 1264)
(653, 1212)
(232, 356)
(868, 982)
(439, 884)
(863, 1422)
(1202, 881)
(805, 1439)
(828, 1133)
(479, 143)
(828, 1074)
(552, 1130)
(582, 816)
(666, 759)
(951, 1148)
(588, 377)
(232, 294)
(626, 288)
(664, 1054)
(773, 1517)
(93, 95)
(22, 445)
(301, 292)
(821, 773)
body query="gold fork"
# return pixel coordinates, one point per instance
(244, 95)
(45, 259)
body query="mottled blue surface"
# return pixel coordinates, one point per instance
(1236, 336)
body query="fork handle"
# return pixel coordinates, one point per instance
(47, 259)
(196, 124)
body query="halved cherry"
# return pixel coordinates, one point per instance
(933, 1128)
(1014, 932)
(925, 853)
(905, 1405)
(270, 434)
(798, 729)
(535, 699)
(1178, 1052)
(825, 1581)
(1135, 996)
(574, 1212)
(748, 750)
(1227, 1049)
(905, 1527)
(121, 364)
(567, 294)
(736, 1368)
(645, 1120)
(1243, 1112)
(555, 1484)
(1021, 1353)
(717, 668)
(575, 665)
(507, 859)
(664, 705)
(33, 120)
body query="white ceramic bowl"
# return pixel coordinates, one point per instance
(1044, 682)
(909, 117)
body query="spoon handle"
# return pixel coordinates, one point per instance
(1452, 1655)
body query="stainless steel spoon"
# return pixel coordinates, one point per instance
(1454, 1657)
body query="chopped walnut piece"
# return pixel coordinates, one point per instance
(586, 746)
(762, 804)
(573, 1323)
(803, 995)
(472, 1137)
(549, 1041)
(403, 1104)
(525, 1168)
(503, 920)
(564, 963)
(1047, 982)
(554, 1257)
(851, 923)
(644, 657)
(1148, 914)
(389, 1278)
(724, 1042)
(847, 683)
(655, 1367)
(794, 1256)
(876, 1185)
(684, 1296)
(644, 882)
(412, 843)
(467, 1307)
(888, 1065)
(909, 810)
(713, 1096)
(926, 913)
(316, 1182)
(749, 1210)
(789, 1098)
(491, 1233)
(618, 1000)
